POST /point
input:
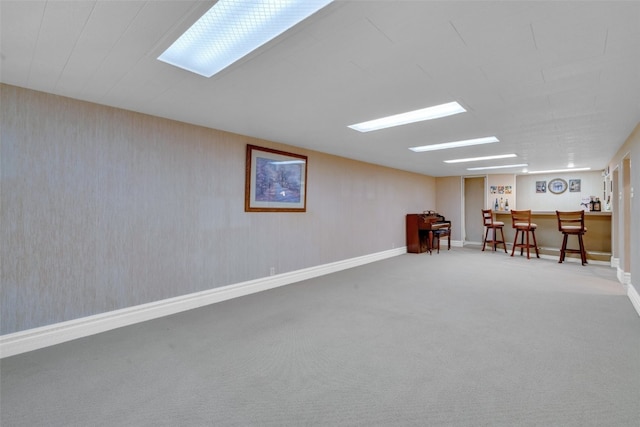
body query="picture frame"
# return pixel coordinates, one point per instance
(275, 181)
(541, 186)
(557, 186)
(574, 185)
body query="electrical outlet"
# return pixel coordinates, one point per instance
(272, 271)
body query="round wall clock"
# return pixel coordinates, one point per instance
(557, 186)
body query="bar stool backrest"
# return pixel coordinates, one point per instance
(521, 218)
(570, 221)
(487, 217)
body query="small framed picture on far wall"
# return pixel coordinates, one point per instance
(574, 185)
(541, 186)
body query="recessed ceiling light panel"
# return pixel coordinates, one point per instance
(498, 167)
(233, 28)
(455, 144)
(560, 170)
(429, 113)
(474, 159)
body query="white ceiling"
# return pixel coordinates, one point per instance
(555, 81)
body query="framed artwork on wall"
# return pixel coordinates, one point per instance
(574, 185)
(275, 181)
(557, 186)
(541, 186)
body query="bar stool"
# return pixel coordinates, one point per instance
(521, 222)
(572, 223)
(494, 226)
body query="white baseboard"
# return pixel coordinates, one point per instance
(633, 295)
(33, 339)
(623, 277)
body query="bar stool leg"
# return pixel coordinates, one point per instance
(515, 243)
(583, 253)
(504, 245)
(533, 233)
(484, 242)
(495, 236)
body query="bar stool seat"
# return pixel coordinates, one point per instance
(493, 226)
(521, 222)
(571, 223)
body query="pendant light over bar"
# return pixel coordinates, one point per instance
(233, 28)
(429, 113)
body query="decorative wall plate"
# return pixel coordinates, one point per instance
(557, 186)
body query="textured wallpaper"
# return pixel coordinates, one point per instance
(103, 209)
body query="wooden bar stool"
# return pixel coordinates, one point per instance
(572, 223)
(521, 222)
(494, 226)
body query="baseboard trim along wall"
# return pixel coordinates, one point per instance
(623, 277)
(33, 339)
(633, 295)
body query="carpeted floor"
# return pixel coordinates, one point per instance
(460, 338)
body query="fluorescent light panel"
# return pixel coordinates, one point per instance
(474, 159)
(429, 113)
(233, 28)
(560, 170)
(498, 167)
(455, 144)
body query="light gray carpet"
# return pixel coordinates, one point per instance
(463, 338)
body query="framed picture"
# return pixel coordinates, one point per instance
(275, 181)
(557, 186)
(574, 185)
(541, 186)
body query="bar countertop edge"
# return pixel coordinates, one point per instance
(602, 213)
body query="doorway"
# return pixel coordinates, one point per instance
(474, 202)
(626, 216)
(615, 218)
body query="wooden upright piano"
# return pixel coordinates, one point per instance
(420, 228)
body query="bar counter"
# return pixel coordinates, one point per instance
(597, 239)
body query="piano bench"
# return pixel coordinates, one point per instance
(440, 233)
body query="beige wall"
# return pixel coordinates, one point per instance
(623, 169)
(104, 209)
(448, 201)
(504, 181)
(591, 184)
